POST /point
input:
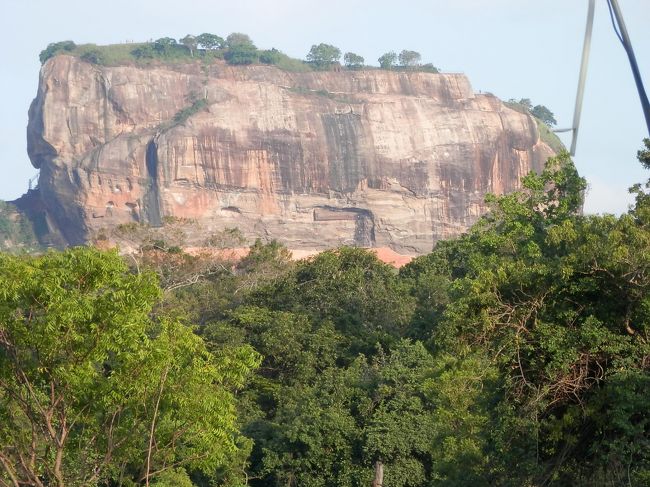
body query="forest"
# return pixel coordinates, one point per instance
(515, 355)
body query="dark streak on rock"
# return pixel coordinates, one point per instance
(151, 199)
(346, 167)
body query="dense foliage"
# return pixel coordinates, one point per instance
(92, 388)
(515, 355)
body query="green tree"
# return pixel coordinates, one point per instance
(544, 114)
(190, 42)
(387, 60)
(429, 68)
(295, 350)
(350, 287)
(323, 55)
(164, 45)
(353, 61)
(264, 264)
(241, 49)
(396, 414)
(270, 56)
(526, 103)
(210, 41)
(556, 303)
(461, 393)
(331, 425)
(409, 59)
(241, 54)
(93, 56)
(238, 39)
(145, 51)
(92, 389)
(55, 48)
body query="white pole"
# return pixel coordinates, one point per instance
(583, 75)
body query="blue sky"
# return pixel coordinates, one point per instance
(512, 48)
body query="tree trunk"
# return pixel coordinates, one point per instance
(378, 481)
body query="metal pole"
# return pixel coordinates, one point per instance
(583, 75)
(627, 44)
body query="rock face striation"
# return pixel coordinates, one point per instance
(316, 160)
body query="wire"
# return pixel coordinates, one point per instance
(611, 16)
(627, 45)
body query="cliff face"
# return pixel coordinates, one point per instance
(315, 160)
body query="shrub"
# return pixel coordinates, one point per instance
(143, 52)
(187, 112)
(241, 54)
(93, 56)
(270, 56)
(54, 48)
(429, 68)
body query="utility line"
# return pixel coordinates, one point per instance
(621, 32)
(611, 16)
(618, 24)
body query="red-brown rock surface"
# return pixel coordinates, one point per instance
(316, 160)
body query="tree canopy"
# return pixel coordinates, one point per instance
(352, 60)
(164, 45)
(92, 388)
(539, 111)
(409, 58)
(210, 41)
(190, 42)
(544, 114)
(241, 49)
(323, 55)
(54, 48)
(387, 60)
(238, 39)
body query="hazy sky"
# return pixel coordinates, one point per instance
(512, 48)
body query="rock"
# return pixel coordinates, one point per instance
(315, 160)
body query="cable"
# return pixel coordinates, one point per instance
(627, 45)
(611, 16)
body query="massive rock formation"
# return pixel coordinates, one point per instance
(320, 159)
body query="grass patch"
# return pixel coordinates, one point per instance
(151, 54)
(341, 98)
(517, 107)
(287, 63)
(421, 68)
(549, 137)
(182, 116)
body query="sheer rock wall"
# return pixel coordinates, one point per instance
(316, 160)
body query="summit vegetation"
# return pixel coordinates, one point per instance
(235, 49)
(515, 355)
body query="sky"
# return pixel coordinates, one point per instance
(512, 48)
